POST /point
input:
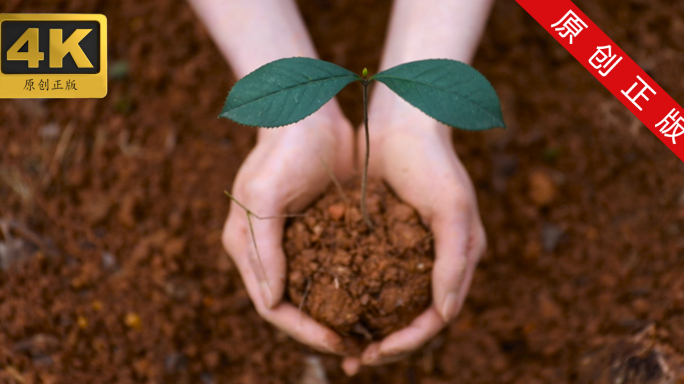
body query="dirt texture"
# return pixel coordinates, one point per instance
(360, 282)
(112, 211)
(640, 359)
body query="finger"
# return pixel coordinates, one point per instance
(401, 343)
(465, 285)
(373, 357)
(303, 328)
(351, 365)
(263, 241)
(476, 249)
(267, 258)
(284, 316)
(259, 243)
(451, 228)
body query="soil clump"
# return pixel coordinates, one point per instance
(358, 281)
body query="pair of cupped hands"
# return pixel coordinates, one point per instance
(286, 171)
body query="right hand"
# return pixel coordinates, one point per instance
(282, 175)
(414, 155)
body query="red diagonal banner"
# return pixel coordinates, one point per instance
(613, 68)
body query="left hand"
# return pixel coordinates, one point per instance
(284, 172)
(414, 155)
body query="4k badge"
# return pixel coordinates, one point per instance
(53, 56)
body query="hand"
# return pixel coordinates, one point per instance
(284, 173)
(414, 155)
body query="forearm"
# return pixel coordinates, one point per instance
(427, 29)
(251, 33)
(434, 29)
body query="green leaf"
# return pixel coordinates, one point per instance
(449, 91)
(285, 91)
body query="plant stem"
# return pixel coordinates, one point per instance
(249, 214)
(364, 178)
(251, 230)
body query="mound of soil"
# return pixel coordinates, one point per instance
(358, 281)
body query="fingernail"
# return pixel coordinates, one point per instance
(351, 366)
(266, 294)
(333, 344)
(371, 355)
(449, 308)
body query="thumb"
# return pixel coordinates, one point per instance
(255, 246)
(454, 260)
(266, 257)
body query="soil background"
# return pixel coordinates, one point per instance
(112, 209)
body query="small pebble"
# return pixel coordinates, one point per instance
(109, 262)
(542, 188)
(50, 131)
(314, 371)
(174, 362)
(132, 320)
(97, 305)
(551, 236)
(336, 211)
(42, 360)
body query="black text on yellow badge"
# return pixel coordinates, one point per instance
(41, 53)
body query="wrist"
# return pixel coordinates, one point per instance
(328, 120)
(255, 32)
(390, 114)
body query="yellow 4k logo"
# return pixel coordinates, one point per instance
(53, 55)
(58, 48)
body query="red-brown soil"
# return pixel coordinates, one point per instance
(113, 266)
(639, 359)
(362, 283)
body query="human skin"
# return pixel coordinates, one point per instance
(410, 151)
(413, 153)
(284, 172)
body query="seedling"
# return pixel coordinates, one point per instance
(285, 91)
